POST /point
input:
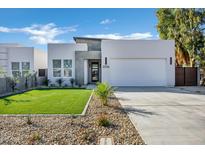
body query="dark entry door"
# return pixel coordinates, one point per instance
(94, 71)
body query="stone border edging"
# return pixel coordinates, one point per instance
(52, 115)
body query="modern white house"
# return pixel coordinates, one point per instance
(16, 60)
(118, 62)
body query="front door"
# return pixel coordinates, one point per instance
(94, 71)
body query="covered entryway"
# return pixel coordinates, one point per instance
(138, 72)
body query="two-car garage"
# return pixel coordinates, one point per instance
(138, 72)
(138, 62)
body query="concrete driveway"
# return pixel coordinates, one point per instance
(165, 115)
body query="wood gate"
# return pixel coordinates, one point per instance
(186, 76)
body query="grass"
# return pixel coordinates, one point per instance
(46, 101)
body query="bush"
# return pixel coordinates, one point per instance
(72, 81)
(34, 137)
(104, 91)
(89, 136)
(46, 82)
(103, 121)
(60, 81)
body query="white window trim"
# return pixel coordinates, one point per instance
(69, 68)
(62, 68)
(20, 67)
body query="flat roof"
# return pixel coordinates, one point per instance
(89, 38)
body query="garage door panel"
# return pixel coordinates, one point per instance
(138, 72)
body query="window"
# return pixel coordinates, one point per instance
(67, 63)
(42, 72)
(15, 67)
(25, 68)
(57, 68)
(105, 60)
(67, 66)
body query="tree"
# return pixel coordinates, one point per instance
(186, 27)
(12, 82)
(104, 91)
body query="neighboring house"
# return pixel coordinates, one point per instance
(17, 60)
(118, 62)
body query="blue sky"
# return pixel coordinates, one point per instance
(37, 27)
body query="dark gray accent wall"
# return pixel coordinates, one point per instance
(93, 44)
(80, 56)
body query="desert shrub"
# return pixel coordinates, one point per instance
(72, 81)
(60, 81)
(89, 136)
(104, 91)
(103, 121)
(35, 137)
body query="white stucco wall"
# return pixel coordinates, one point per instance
(20, 54)
(63, 51)
(13, 52)
(40, 59)
(85, 71)
(3, 59)
(139, 49)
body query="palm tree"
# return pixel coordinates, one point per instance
(104, 91)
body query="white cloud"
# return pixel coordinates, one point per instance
(107, 21)
(117, 36)
(41, 34)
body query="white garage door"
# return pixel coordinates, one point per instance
(138, 72)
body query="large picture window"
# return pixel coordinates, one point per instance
(56, 68)
(15, 66)
(67, 66)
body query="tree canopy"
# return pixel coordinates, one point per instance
(186, 27)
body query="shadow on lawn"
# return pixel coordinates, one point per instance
(8, 101)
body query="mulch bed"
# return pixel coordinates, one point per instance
(71, 130)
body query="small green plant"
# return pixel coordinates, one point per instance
(72, 81)
(34, 138)
(104, 91)
(60, 81)
(29, 122)
(103, 121)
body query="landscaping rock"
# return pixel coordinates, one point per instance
(64, 130)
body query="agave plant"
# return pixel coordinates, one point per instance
(104, 91)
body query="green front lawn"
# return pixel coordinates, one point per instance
(46, 101)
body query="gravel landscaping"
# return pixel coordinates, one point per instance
(71, 130)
